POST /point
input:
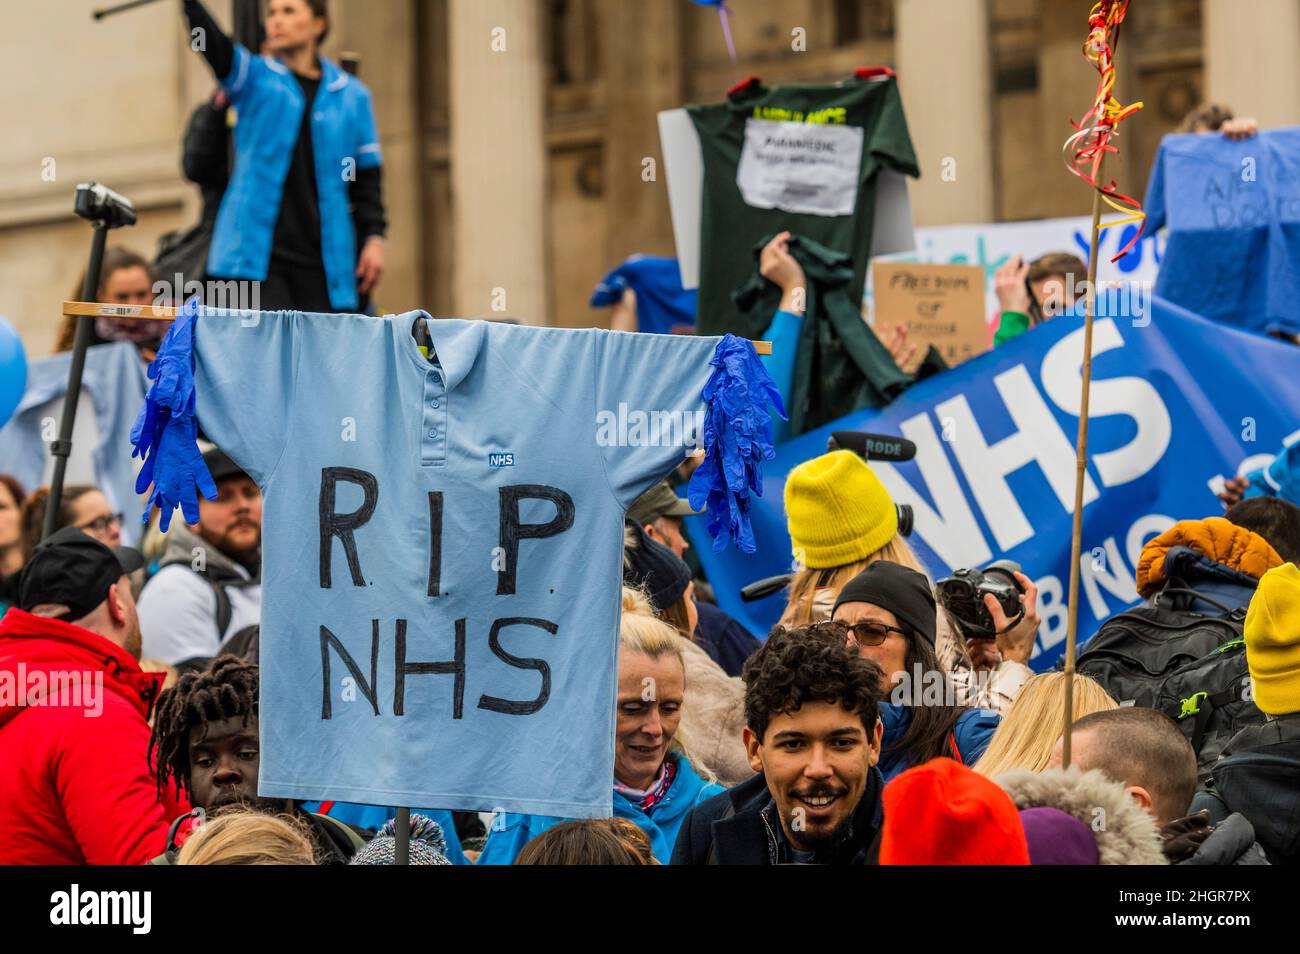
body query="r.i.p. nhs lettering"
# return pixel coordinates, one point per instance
(512, 530)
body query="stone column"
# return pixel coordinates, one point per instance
(1067, 85)
(498, 159)
(942, 53)
(1252, 58)
(383, 38)
(642, 61)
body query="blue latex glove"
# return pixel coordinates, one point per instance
(737, 440)
(177, 471)
(165, 434)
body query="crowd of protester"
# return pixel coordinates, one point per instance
(820, 742)
(821, 749)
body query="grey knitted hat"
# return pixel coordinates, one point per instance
(428, 845)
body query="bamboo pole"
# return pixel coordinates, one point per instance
(1081, 469)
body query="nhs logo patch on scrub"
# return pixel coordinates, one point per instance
(501, 459)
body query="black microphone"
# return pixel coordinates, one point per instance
(872, 446)
(766, 587)
(876, 447)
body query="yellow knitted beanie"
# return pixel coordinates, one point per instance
(1273, 640)
(838, 511)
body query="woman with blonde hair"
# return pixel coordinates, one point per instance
(248, 838)
(655, 784)
(714, 716)
(841, 519)
(1031, 727)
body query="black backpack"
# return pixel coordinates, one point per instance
(1211, 699)
(1134, 652)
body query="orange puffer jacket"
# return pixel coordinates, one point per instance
(1215, 538)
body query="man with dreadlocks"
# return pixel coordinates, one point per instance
(205, 739)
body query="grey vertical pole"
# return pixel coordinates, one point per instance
(63, 446)
(403, 833)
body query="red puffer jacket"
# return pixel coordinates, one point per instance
(75, 783)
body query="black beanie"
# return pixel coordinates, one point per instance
(654, 568)
(896, 588)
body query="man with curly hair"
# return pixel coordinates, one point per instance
(812, 732)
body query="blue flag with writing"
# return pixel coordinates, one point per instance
(1233, 212)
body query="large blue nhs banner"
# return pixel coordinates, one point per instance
(1177, 404)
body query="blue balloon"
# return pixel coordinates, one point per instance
(13, 370)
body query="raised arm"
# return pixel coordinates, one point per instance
(212, 42)
(367, 194)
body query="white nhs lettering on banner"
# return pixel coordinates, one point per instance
(950, 528)
(807, 168)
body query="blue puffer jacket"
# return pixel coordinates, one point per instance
(1212, 579)
(269, 104)
(972, 733)
(509, 833)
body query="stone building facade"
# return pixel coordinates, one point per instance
(520, 143)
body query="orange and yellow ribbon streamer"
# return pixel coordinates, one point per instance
(1084, 150)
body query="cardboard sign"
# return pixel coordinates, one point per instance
(940, 305)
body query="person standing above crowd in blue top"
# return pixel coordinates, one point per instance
(655, 785)
(306, 183)
(891, 616)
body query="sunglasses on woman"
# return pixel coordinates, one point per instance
(871, 632)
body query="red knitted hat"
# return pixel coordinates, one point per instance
(942, 813)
